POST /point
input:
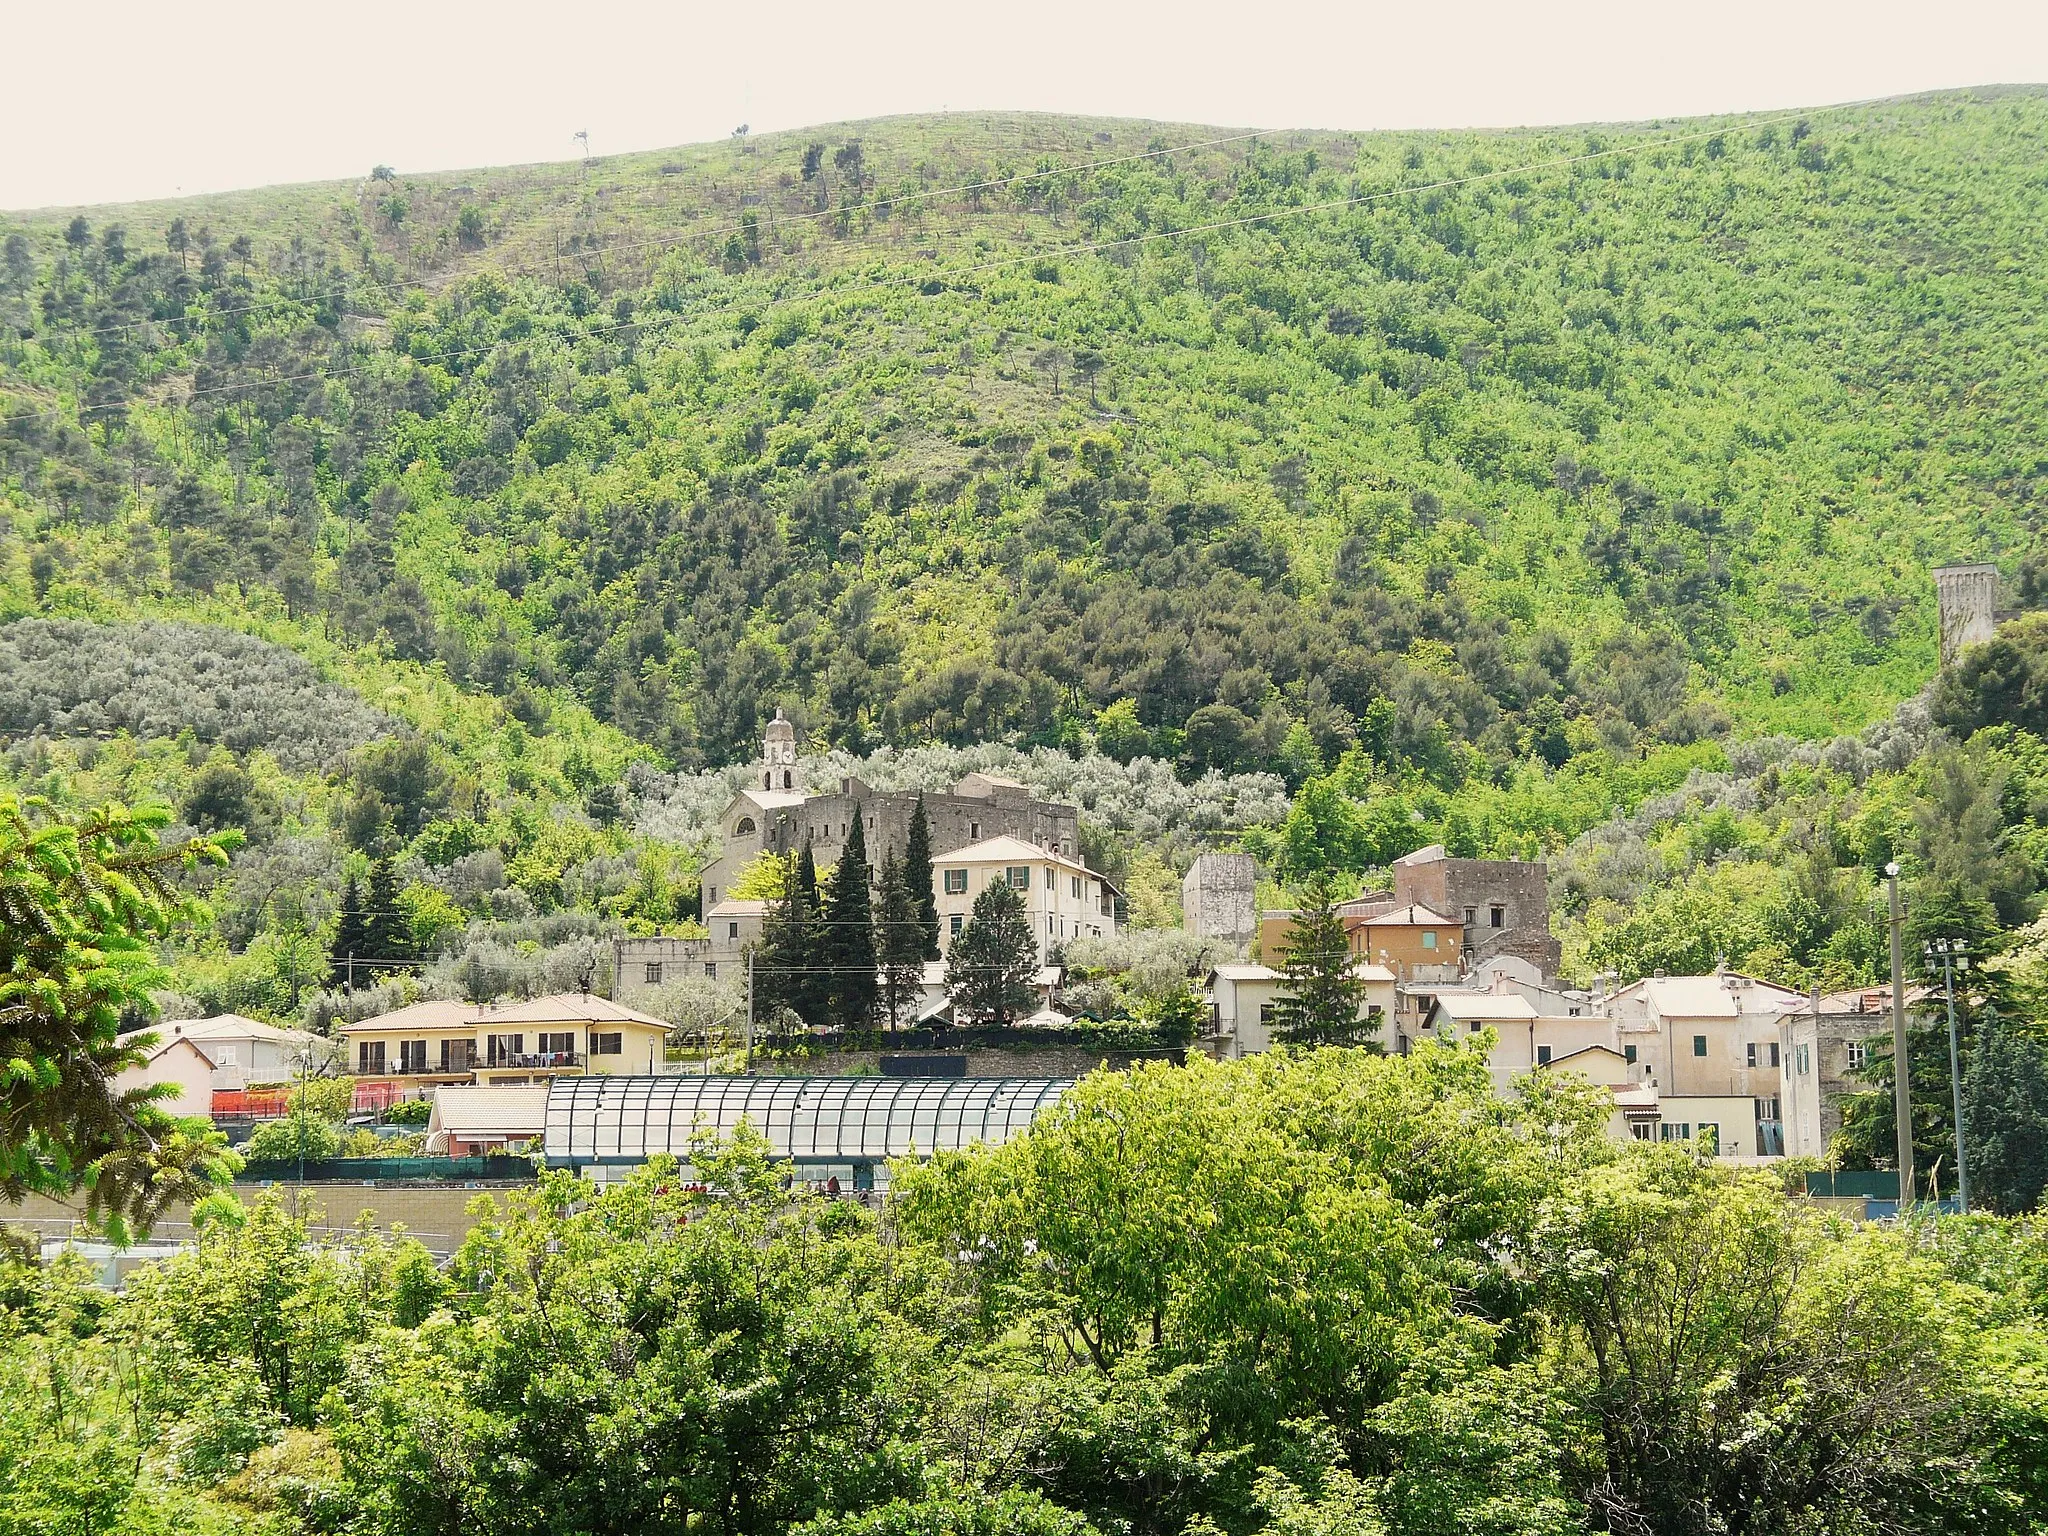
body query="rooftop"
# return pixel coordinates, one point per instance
(1412, 916)
(1484, 1006)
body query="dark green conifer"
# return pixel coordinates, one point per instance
(849, 938)
(917, 879)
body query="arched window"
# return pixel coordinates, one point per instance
(767, 781)
(788, 779)
(746, 827)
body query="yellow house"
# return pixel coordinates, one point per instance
(505, 1045)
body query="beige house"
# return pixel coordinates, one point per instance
(1063, 897)
(1711, 1037)
(1242, 998)
(226, 1053)
(505, 1045)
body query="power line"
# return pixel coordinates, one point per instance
(827, 285)
(682, 237)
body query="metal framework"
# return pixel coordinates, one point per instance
(806, 1119)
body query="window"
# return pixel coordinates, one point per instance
(1265, 1013)
(956, 882)
(1750, 1060)
(1542, 1055)
(503, 1048)
(711, 970)
(652, 975)
(1429, 938)
(1629, 1054)
(1019, 876)
(713, 893)
(974, 831)
(745, 827)
(1077, 887)
(458, 1055)
(412, 1055)
(732, 930)
(558, 1043)
(1774, 1053)
(1699, 1045)
(369, 1055)
(1496, 917)
(1804, 1063)
(1640, 1129)
(608, 1045)
(1766, 1109)
(1472, 1027)
(788, 779)
(225, 1056)
(957, 920)
(1674, 1131)
(1471, 917)
(1859, 1053)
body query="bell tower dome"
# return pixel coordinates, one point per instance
(778, 754)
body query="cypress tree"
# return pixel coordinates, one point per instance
(917, 879)
(2005, 1106)
(899, 943)
(1320, 1005)
(387, 935)
(789, 972)
(849, 938)
(351, 935)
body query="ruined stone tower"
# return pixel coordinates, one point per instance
(1968, 596)
(1217, 897)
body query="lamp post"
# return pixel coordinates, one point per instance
(1953, 955)
(1902, 1066)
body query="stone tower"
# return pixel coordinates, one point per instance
(1217, 897)
(778, 754)
(1968, 596)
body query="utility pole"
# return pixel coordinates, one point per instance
(1954, 956)
(1902, 1065)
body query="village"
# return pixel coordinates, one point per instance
(1736, 1068)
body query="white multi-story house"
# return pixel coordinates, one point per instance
(1063, 897)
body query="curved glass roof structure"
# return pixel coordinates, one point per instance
(806, 1119)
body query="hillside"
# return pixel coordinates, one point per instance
(1484, 484)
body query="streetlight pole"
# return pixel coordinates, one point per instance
(1902, 1065)
(1954, 956)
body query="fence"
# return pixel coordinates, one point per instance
(398, 1170)
(1853, 1186)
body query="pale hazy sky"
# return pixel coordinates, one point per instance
(121, 99)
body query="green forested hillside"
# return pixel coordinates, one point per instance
(1665, 436)
(1475, 486)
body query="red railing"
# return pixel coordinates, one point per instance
(251, 1103)
(276, 1103)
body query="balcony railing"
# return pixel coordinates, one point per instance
(388, 1068)
(534, 1059)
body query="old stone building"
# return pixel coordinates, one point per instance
(1503, 903)
(780, 815)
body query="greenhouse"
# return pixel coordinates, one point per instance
(829, 1127)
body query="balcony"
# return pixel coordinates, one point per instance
(375, 1067)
